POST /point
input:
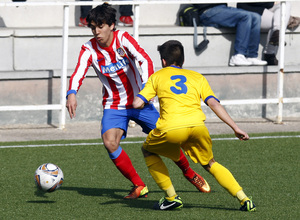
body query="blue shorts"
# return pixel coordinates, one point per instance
(145, 117)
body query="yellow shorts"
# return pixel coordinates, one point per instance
(195, 141)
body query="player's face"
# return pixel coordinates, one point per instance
(103, 33)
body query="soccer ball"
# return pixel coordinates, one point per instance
(48, 177)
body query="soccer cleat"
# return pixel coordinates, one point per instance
(248, 206)
(200, 183)
(165, 204)
(126, 21)
(138, 192)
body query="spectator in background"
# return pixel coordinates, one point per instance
(270, 20)
(125, 15)
(84, 10)
(247, 26)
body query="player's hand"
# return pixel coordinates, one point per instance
(242, 135)
(72, 105)
(138, 103)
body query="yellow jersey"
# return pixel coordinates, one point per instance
(179, 93)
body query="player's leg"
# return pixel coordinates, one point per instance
(159, 171)
(197, 180)
(227, 181)
(147, 118)
(114, 123)
(200, 151)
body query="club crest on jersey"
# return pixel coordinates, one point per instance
(113, 67)
(121, 51)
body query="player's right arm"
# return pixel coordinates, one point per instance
(72, 105)
(138, 102)
(84, 61)
(145, 95)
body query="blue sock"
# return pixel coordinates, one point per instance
(115, 154)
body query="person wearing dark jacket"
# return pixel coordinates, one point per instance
(270, 21)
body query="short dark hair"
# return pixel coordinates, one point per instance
(102, 14)
(172, 52)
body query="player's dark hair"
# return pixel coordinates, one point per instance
(102, 14)
(172, 52)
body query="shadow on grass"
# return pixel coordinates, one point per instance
(41, 194)
(216, 207)
(116, 196)
(41, 202)
(111, 193)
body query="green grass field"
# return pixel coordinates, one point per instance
(267, 169)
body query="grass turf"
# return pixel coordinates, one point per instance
(267, 169)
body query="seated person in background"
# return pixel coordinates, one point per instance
(84, 10)
(247, 26)
(270, 20)
(125, 15)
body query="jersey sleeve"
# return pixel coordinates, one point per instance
(206, 91)
(84, 62)
(140, 55)
(149, 91)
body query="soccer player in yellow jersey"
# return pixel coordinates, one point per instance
(181, 125)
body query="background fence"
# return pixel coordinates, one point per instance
(136, 4)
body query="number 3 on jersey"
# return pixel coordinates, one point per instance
(180, 84)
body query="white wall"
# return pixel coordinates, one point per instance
(52, 16)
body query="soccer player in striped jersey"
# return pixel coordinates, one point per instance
(181, 125)
(113, 55)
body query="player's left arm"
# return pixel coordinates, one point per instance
(211, 100)
(140, 55)
(219, 110)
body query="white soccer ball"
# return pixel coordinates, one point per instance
(48, 177)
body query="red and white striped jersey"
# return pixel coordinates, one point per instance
(116, 68)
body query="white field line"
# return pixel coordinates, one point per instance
(136, 142)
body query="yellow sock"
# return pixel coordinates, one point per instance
(225, 178)
(170, 193)
(241, 196)
(160, 174)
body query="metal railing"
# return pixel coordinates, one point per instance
(136, 4)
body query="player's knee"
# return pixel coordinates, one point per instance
(110, 145)
(146, 153)
(209, 165)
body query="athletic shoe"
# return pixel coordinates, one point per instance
(200, 183)
(271, 59)
(257, 62)
(239, 60)
(126, 21)
(82, 22)
(165, 204)
(248, 206)
(138, 192)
